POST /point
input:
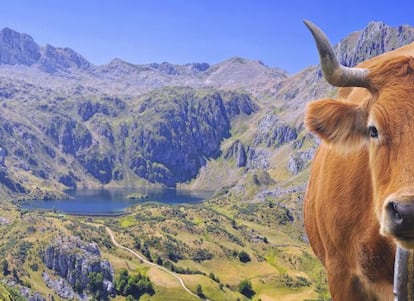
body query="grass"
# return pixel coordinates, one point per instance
(210, 288)
(167, 287)
(217, 226)
(282, 294)
(5, 294)
(127, 221)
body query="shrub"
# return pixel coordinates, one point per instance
(34, 267)
(245, 288)
(214, 277)
(199, 292)
(5, 267)
(244, 257)
(133, 286)
(201, 255)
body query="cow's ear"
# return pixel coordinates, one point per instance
(342, 125)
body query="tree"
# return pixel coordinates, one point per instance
(133, 286)
(137, 243)
(96, 287)
(95, 282)
(15, 275)
(5, 267)
(214, 277)
(244, 257)
(78, 286)
(137, 286)
(199, 291)
(245, 288)
(159, 260)
(146, 252)
(122, 281)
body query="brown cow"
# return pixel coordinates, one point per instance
(360, 199)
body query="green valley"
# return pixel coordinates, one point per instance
(235, 127)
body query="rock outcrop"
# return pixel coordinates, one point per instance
(299, 160)
(177, 130)
(74, 260)
(17, 48)
(236, 151)
(373, 40)
(273, 132)
(3, 154)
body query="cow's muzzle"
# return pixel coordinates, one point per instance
(399, 219)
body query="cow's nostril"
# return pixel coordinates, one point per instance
(394, 212)
(400, 218)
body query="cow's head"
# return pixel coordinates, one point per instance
(378, 119)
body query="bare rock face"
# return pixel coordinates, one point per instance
(237, 151)
(3, 154)
(274, 132)
(299, 160)
(178, 129)
(26, 292)
(17, 48)
(20, 49)
(74, 260)
(373, 40)
(55, 59)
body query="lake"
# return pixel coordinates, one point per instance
(116, 201)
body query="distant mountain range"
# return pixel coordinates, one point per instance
(65, 122)
(48, 62)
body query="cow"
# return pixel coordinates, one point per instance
(359, 202)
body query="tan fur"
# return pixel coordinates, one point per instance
(353, 176)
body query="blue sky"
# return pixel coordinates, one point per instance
(184, 31)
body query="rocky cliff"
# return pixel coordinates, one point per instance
(74, 261)
(67, 123)
(163, 137)
(373, 40)
(178, 130)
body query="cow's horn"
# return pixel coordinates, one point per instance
(336, 74)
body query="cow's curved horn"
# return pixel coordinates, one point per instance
(336, 74)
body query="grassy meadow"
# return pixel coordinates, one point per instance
(215, 245)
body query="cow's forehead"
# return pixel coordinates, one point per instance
(397, 101)
(354, 94)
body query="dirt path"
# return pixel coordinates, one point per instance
(149, 262)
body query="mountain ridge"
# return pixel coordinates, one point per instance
(73, 124)
(234, 127)
(67, 63)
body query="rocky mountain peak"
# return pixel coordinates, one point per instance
(21, 49)
(375, 26)
(17, 48)
(54, 59)
(375, 39)
(237, 71)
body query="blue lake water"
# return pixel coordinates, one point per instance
(115, 201)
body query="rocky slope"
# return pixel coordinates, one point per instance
(74, 261)
(161, 137)
(374, 40)
(236, 127)
(64, 69)
(67, 123)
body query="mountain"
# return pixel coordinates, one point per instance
(374, 40)
(16, 48)
(68, 123)
(235, 127)
(62, 68)
(21, 49)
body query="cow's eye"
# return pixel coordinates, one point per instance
(373, 132)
